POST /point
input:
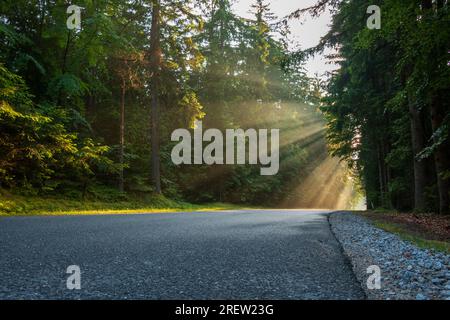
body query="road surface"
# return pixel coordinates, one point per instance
(243, 254)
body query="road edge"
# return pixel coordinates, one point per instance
(348, 260)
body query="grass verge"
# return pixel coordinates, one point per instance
(14, 205)
(421, 235)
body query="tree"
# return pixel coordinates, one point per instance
(113, 91)
(155, 65)
(126, 69)
(385, 74)
(36, 149)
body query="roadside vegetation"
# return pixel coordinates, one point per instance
(427, 231)
(16, 205)
(88, 110)
(387, 105)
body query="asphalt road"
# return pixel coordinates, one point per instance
(249, 254)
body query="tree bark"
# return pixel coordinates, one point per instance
(155, 65)
(156, 171)
(418, 141)
(383, 174)
(418, 144)
(380, 176)
(122, 136)
(441, 160)
(441, 156)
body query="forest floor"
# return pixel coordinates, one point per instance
(428, 231)
(19, 205)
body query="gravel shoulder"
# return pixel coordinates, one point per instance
(407, 272)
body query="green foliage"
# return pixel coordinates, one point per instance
(36, 148)
(384, 75)
(61, 94)
(108, 202)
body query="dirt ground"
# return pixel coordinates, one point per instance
(427, 226)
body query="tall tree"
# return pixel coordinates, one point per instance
(155, 67)
(385, 74)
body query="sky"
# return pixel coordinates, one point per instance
(305, 32)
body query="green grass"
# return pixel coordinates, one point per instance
(413, 238)
(14, 205)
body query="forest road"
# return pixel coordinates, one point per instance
(237, 254)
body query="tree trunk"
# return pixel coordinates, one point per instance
(441, 156)
(155, 65)
(380, 176)
(156, 174)
(418, 144)
(63, 67)
(418, 139)
(441, 160)
(122, 136)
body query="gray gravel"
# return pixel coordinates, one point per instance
(407, 272)
(254, 254)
